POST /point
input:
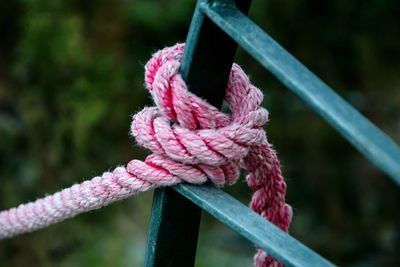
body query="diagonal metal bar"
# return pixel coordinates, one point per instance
(358, 130)
(250, 225)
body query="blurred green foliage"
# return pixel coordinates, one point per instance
(71, 74)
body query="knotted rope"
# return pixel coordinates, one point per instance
(191, 141)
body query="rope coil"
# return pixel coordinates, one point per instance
(191, 141)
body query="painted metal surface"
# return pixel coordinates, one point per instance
(358, 130)
(173, 230)
(250, 225)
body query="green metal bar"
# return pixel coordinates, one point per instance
(174, 222)
(250, 225)
(173, 230)
(358, 130)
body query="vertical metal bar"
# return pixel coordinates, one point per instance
(175, 221)
(173, 230)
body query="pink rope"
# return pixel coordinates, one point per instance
(191, 141)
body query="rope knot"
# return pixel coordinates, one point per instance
(194, 141)
(184, 130)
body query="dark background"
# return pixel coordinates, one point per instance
(71, 75)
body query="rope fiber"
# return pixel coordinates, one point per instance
(191, 140)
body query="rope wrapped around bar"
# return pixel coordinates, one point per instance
(191, 141)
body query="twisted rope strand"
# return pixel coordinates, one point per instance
(191, 141)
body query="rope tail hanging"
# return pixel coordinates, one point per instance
(191, 141)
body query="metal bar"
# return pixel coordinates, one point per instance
(359, 131)
(250, 225)
(173, 230)
(205, 67)
(208, 57)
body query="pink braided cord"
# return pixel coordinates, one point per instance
(191, 141)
